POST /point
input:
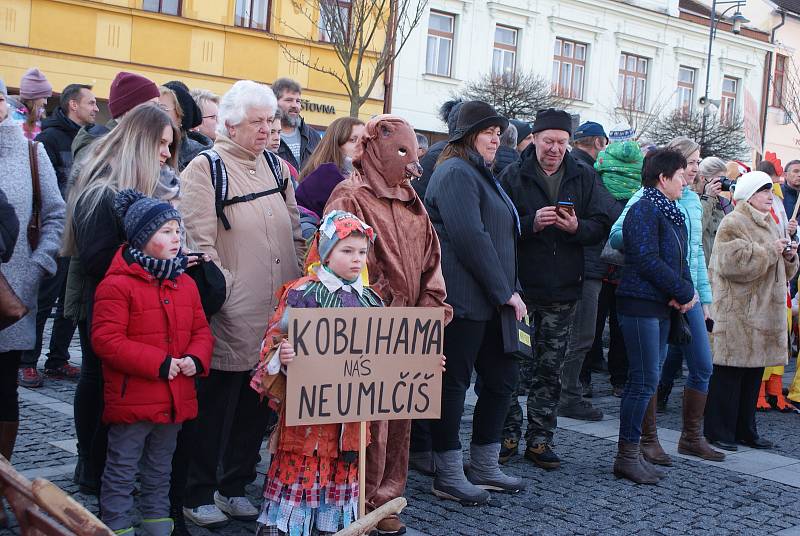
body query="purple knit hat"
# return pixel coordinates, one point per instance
(34, 85)
(314, 191)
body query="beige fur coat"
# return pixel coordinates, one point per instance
(748, 281)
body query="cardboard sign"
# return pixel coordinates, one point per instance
(364, 364)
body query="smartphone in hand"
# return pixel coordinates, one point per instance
(567, 207)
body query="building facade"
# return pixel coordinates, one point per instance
(782, 124)
(606, 58)
(205, 43)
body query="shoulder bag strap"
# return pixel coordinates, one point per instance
(34, 225)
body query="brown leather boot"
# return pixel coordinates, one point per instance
(8, 437)
(651, 448)
(626, 464)
(692, 442)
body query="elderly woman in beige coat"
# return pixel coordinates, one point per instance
(750, 265)
(258, 246)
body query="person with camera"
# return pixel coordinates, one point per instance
(750, 265)
(714, 189)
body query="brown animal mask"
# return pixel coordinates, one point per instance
(389, 160)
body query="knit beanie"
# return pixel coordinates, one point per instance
(192, 115)
(749, 183)
(337, 225)
(142, 216)
(34, 85)
(129, 90)
(552, 119)
(621, 132)
(524, 129)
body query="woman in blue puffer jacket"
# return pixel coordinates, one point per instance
(698, 352)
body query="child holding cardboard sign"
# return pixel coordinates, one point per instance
(312, 483)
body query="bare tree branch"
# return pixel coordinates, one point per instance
(724, 139)
(354, 29)
(516, 96)
(641, 121)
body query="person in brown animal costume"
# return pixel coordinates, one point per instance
(404, 268)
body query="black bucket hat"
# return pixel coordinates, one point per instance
(192, 115)
(474, 116)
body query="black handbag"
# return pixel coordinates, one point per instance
(516, 333)
(679, 331)
(210, 283)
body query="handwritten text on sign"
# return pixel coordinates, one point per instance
(373, 364)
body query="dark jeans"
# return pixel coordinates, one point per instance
(421, 436)
(617, 357)
(697, 354)
(646, 340)
(471, 344)
(731, 404)
(230, 425)
(9, 396)
(51, 293)
(88, 407)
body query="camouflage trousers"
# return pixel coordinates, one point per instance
(540, 377)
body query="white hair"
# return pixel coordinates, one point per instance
(242, 96)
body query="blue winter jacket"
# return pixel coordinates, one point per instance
(655, 269)
(690, 205)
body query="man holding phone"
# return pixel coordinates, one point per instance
(562, 208)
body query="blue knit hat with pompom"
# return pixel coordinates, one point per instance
(142, 216)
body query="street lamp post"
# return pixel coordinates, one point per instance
(738, 20)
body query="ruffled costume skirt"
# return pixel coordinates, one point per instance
(308, 496)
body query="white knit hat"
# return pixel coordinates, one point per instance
(750, 183)
(621, 132)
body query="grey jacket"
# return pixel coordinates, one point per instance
(477, 231)
(26, 268)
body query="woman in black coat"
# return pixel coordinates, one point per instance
(478, 227)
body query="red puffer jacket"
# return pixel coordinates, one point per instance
(138, 321)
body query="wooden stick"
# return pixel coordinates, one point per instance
(365, 524)
(67, 510)
(362, 469)
(796, 207)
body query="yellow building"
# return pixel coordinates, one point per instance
(205, 43)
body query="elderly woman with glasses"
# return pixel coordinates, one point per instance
(257, 243)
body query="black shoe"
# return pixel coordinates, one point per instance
(542, 455)
(757, 443)
(180, 529)
(724, 445)
(587, 391)
(598, 365)
(508, 449)
(583, 411)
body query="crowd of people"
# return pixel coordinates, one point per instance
(177, 236)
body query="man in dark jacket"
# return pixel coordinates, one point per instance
(588, 141)
(78, 108)
(561, 210)
(298, 140)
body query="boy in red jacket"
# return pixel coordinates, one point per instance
(151, 335)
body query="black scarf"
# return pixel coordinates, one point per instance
(665, 205)
(161, 269)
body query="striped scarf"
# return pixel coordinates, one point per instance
(161, 269)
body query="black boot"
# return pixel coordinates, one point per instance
(176, 513)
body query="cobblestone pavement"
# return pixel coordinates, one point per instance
(753, 492)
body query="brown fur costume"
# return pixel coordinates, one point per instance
(404, 267)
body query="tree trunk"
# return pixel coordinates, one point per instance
(354, 106)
